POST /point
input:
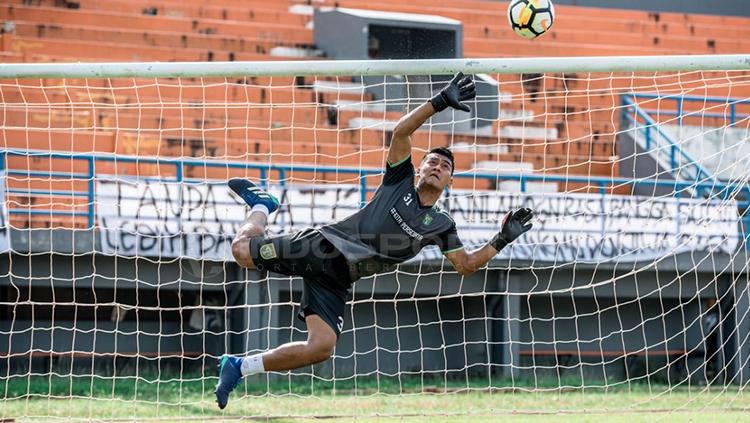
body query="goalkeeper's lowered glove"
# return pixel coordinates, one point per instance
(461, 88)
(515, 224)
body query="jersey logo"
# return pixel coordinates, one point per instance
(267, 251)
(405, 226)
(340, 324)
(427, 219)
(408, 199)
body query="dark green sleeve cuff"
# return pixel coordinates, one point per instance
(400, 161)
(453, 250)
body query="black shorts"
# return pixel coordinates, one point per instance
(324, 271)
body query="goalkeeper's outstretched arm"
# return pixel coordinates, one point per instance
(461, 88)
(401, 138)
(515, 224)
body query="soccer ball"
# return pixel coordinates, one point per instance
(531, 18)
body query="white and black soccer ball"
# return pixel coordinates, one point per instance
(531, 18)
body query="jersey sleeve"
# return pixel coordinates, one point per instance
(449, 241)
(397, 172)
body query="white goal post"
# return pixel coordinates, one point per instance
(117, 276)
(377, 67)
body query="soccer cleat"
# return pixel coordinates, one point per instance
(252, 194)
(229, 377)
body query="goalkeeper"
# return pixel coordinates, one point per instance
(393, 227)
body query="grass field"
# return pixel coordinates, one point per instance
(69, 398)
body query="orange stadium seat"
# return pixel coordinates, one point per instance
(281, 122)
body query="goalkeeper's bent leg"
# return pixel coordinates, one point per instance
(255, 226)
(321, 340)
(262, 203)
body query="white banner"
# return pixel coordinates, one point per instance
(594, 228)
(160, 219)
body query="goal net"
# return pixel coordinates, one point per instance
(118, 291)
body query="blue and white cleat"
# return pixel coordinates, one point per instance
(229, 377)
(252, 194)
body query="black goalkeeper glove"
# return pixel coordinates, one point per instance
(515, 224)
(461, 88)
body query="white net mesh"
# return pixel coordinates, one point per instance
(118, 288)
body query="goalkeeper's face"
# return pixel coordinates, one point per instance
(436, 171)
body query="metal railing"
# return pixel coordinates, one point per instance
(280, 171)
(680, 100)
(680, 163)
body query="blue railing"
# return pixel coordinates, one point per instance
(656, 140)
(680, 100)
(266, 171)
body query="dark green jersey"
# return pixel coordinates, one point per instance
(393, 227)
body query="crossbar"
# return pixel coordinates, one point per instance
(376, 67)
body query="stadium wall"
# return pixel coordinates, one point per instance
(717, 7)
(636, 162)
(454, 327)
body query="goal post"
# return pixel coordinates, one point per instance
(376, 67)
(118, 290)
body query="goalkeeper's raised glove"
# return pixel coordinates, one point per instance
(515, 224)
(461, 88)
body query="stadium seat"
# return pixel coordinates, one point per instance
(314, 131)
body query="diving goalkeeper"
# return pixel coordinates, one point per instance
(393, 227)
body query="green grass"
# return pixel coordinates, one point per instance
(364, 399)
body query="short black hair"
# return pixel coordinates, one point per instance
(443, 151)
